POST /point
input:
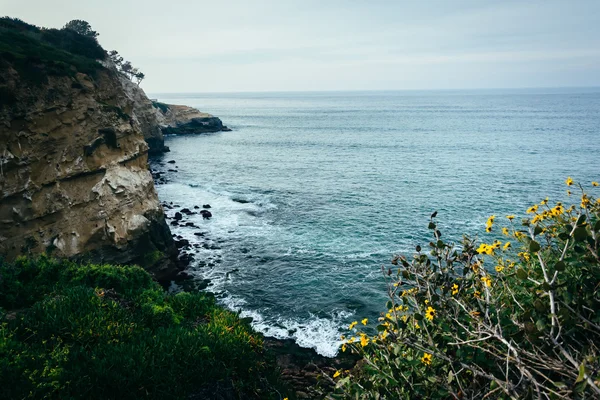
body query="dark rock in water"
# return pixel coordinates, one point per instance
(203, 284)
(244, 250)
(186, 211)
(190, 224)
(182, 243)
(205, 205)
(172, 170)
(242, 201)
(174, 223)
(206, 214)
(225, 129)
(178, 216)
(171, 161)
(196, 207)
(199, 233)
(182, 276)
(179, 237)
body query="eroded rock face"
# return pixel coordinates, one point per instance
(74, 180)
(147, 115)
(188, 120)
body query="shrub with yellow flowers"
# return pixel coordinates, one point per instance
(514, 318)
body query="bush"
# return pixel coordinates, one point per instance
(516, 318)
(103, 331)
(37, 53)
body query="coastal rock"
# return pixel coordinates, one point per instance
(178, 119)
(74, 179)
(205, 214)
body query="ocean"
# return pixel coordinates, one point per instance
(312, 193)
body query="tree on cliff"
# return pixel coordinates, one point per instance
(125, 67)
(81, 27)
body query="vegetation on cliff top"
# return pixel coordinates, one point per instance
(102, 331)
(38, 52)
(512, 318)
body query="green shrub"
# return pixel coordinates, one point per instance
(37, 53)
(484, 320)
(103, 331)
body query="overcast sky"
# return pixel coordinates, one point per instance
(284, 45)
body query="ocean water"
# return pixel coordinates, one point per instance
(313, 192)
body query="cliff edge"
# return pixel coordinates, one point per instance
(74, 180)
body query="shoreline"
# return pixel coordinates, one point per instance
(301, 367)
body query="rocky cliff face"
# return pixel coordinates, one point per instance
(147, 115)
(74, 180)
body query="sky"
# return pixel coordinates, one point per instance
(306, 45)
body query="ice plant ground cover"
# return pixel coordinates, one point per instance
(105, 331)
(515, 318)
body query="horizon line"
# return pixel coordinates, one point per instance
(380, 90)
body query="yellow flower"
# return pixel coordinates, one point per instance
(537, 218)
(417, 325)
(505, 231)
(569, 181)
(595, 183)
(337, 373)
(365, 321)
(364, 340)
(454, 289)
(510, 217)
(477, 294)
(426, 359)
(568, 192)
(532, 209)
(487, 281)
(344, 347)
(585, 201)
(544, 202)
(558, 210)
(352, 325)
(499, 268)
(485, 248)
(430, 313)
(506, 246)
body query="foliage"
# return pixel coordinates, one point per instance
(103, 331)
(125, 67)
(161, 106)
(36, 53)
(484, 320)
(81, 27)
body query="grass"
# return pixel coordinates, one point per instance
(104, 331)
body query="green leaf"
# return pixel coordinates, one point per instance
(597, 226)
(581, 375)
(580, 234)
(540, 324)
(560, 266)
(418, 317)
(431, 225)
(537, 230)
(534, 246)
(522, 274)
(580, 220)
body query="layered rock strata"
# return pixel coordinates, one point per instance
(74, 180)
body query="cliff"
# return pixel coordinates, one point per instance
(74, 180)
(158, 119)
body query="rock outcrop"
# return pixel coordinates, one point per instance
(177, 119)
(74, 180)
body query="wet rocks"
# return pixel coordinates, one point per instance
(206, 214)
(206, 206)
